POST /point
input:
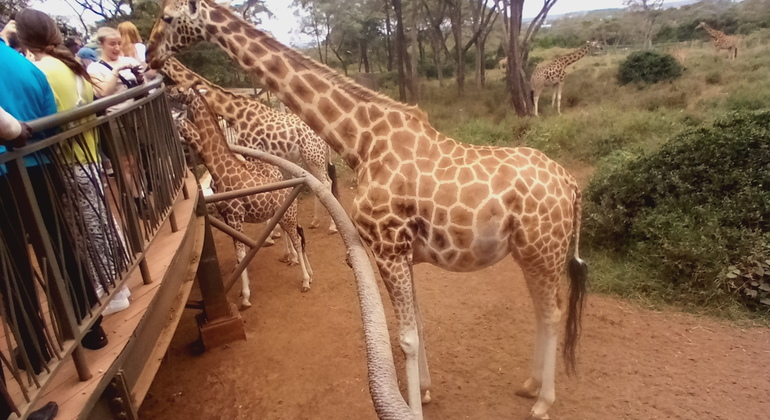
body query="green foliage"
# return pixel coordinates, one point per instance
(648, 67)
(696, 213)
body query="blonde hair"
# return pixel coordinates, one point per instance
(106, 32)
(129, 36)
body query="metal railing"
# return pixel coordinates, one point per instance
(70, 235)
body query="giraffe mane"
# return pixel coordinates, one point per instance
(340, 81)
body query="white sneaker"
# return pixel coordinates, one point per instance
(119, 303)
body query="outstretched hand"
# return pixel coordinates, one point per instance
(24, 135)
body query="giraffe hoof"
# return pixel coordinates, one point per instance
(426, 397)
(532, 416)
(305, 289)
(245, 304)
(333, 231)
(275, 234)
(314, 225)
(268, 242)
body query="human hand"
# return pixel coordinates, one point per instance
(24, 135)
(8, 31)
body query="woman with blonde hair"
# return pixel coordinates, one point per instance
(131, 42)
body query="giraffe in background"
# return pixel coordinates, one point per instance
(422, 197)
(263, 128)
(554, 72)
(722, 41)
(230, 173)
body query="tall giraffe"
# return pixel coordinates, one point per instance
(261, 127)
(229, 173)
(421, 197)
(722, 41)
(554, 72)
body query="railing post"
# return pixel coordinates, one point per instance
(220, 323)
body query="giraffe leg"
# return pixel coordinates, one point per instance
(396, 274)
(535, 99)
(289, 252)
(422, 357)
(291, 233)
(553, 99)
(322, 175)
(544, 291)
(558, 98)
(240, 253)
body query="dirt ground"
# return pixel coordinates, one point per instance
(304, 356)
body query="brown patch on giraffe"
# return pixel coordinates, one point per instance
(275, 66)
(362, 116)
(301, 90)
(396, 120)
(381, 129)
(440, 216)
(328, 110)
(481, 173)
(257, 49)
(538, 192)
(461, 238)
(446, 195)
(319, 85)
(413, 123)
(378, 149)
(460, 216)
(474, 194)
(216, 16)
(425, 209)
(313, 121)
(444, 162)
(465, 175)
(439, 240)
(342, 101)
(402, 143)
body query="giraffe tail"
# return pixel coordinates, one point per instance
(577, 271)
(301, 233)
(333, 177)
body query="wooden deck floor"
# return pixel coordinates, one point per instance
(63, 386)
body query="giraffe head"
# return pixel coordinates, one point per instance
(180, 24)
(701, 25)
(180, 94)
(594, 45)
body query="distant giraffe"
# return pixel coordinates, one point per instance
(722, 41)
(421, 197)
(554, 72)
(260, 127)
(231, 174)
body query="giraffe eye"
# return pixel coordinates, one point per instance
(168, 19)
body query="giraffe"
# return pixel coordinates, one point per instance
(261, 127)
(554, 72)
(229, 173)
(722, 41)
(421, 196)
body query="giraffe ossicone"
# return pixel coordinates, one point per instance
(554, 72)
(421, 196)
(229, 173)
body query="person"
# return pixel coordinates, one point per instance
(131, 42)
(24, 95)
(71, 86)
(73, 44)
(87, 56)
(8, 36)
(111, 75)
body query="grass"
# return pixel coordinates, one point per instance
(601, 120)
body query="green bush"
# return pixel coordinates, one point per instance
(696, 212)
(648, 67)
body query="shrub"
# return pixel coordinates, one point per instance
(648, 67)
(696, 212)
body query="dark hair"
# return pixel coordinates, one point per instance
(38, 32)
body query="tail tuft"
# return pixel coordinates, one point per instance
(301, 233)
(333, 177)
(577, 271)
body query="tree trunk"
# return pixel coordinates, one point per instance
(414, 88)
(480, 70)
(457, 31)
(400, 50)
(517, 83)
(388, 36)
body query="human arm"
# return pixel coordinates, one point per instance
(13, 129)
(106, 82)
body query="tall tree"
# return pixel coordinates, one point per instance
(435, 17)
(518, 51)
(483, 17)
(648, 10)
(400, 50)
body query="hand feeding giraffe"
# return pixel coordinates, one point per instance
(260, 127)
(422, 197)
(721, 40)
(554, 72)
(229, 173)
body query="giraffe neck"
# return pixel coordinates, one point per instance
(213, 147)
(230, 105)
(574, 56)
(713, 33)
(336, 108)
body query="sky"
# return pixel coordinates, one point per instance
(284, 25)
